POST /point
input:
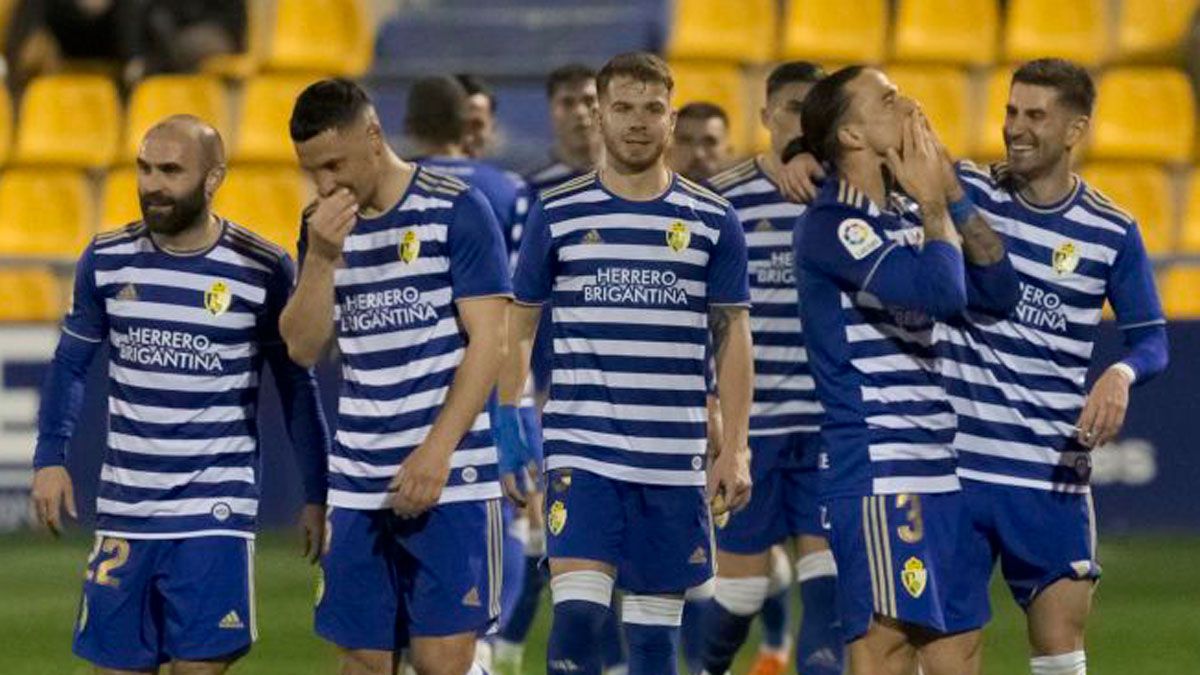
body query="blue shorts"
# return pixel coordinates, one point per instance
(783, 502)
(658, 537)
(387, 579)
(1039, 536)
(150, 601)
(900, 556)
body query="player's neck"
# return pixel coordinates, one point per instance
(194, 238)
(428, 149)
(770, 164)
(865, 173)
(1047, 188)
(638, 186)
(395, 177)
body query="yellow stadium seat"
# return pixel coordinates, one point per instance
(1069, 29)
(164, 95)
(836, 30)
(946, 31)
(1152, 29)
(242, 65)
(1144, 191)
(1189, 237)
(944, 94)
(69, 120)
(265, 200)
(1144, 114)
(29, 294)
(719, 83)
(119, 204)
(718, 29)
(6, 124)
(45, 213)
(1179, 288)
(264, 111)
(326, 36)
(988, 136)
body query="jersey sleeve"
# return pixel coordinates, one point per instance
(87, 319)
(728, 282)
(533, 280)
(1131, 290)
(478, 263)
(279, 287)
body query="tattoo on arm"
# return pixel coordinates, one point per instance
(981, 244)
(719, 320)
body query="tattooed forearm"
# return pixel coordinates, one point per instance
(980, 243)
(719, 320)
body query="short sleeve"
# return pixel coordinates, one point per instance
(845, 244)
(533, 280)
(278, 287)
(1131, 289)
(87, 319)
(478, 262)
(728, 283)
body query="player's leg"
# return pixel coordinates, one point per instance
(199, 667)
(1057, 618)
(115, 671)
(117, 629)
(695, 604)
(885, 648)
(819, 644)
(508, 647)
(956, 654)
(776, 616)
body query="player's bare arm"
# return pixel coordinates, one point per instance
(981, 245)
(419, 482)
(514, 372)
(729, 479)
(307, 322)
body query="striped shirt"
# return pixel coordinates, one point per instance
(630, 284)
(186, 337)
(785, 398)
(401, 342)
(1018, 383)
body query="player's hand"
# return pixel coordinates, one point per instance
(330, 222)
(418, 483)
(729, 480)
(52, 491)
(918, 165)
(954, 189)
(800, 177)
(1104, 411)
(518, 466)
(312, 526)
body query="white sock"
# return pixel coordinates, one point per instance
(813, 565)
(504, 651)
(741, 596)
(1074, 663)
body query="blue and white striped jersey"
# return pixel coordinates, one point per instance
(187, 336)
(785, 397)
(400, 338)
(888, 427)
(504, 190)
(1017, 383)
(630, 284)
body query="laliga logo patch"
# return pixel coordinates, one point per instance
(914, 577)
(1065, 258)
(410, 246)
(557, 518)
(217, 298)
(678, 236)
(858, 238)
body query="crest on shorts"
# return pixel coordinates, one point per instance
(914, 576)
(678, 236)
(1065, 258)
(556, 520)
(410, 246)
(217, 298)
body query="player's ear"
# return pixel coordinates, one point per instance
(763, 117)
(1077, 130)
(213, 180)
(850, 136)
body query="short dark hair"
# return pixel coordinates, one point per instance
(1072, 82)
(473, 84)
(328, 104)
(437, 110)
(823, 111)
(563, 76)
(703, 110)
(641, 66)
(792, 72)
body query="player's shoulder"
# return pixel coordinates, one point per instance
(122, 235)
(698, 191)
(1099, 205)
(439, 183)
(736, 175)
(575, 186)
(252, 246)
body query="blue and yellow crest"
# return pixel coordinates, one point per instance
(678, 236)
(217, 298)
(1065, 258)
(914, 577)
(410, 246)
(556, 519)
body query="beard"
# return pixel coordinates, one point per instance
(638, 162)
(184, 211)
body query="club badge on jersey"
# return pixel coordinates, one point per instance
(217, 298)
(678, 237)
(1065, 258)
(410, 247)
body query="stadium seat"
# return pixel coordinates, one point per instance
(163, 95)
(119, 203)
(1145, 192)
(1152, 29)
(263, 114)
(716, 83)
(44, 213)
(1179, 288)
(6, 125)
(988, 136)
(29, 294)
(69, 120)
(1069, 29)
(718, 29)
(836, 30)
(265, 200)
(324, 36)
(944, 94)
(1144, 114)
(961, 32)
(246, 63)
(1189, 236)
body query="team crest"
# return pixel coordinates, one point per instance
(410, 246)
(678, 236)
(556, 520)
(217, 298)
(592, 237)
(1065, 258)
(914, 577)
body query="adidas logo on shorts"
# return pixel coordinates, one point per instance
(232, 621)
(471, 599)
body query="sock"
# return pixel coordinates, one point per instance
(692, 634)
(775, 621)
(1074, 663)
(518, 622)
(612, 646)
(477, 669)
(581, 603)
(652, 630)
(728, 617)
(819, 648)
